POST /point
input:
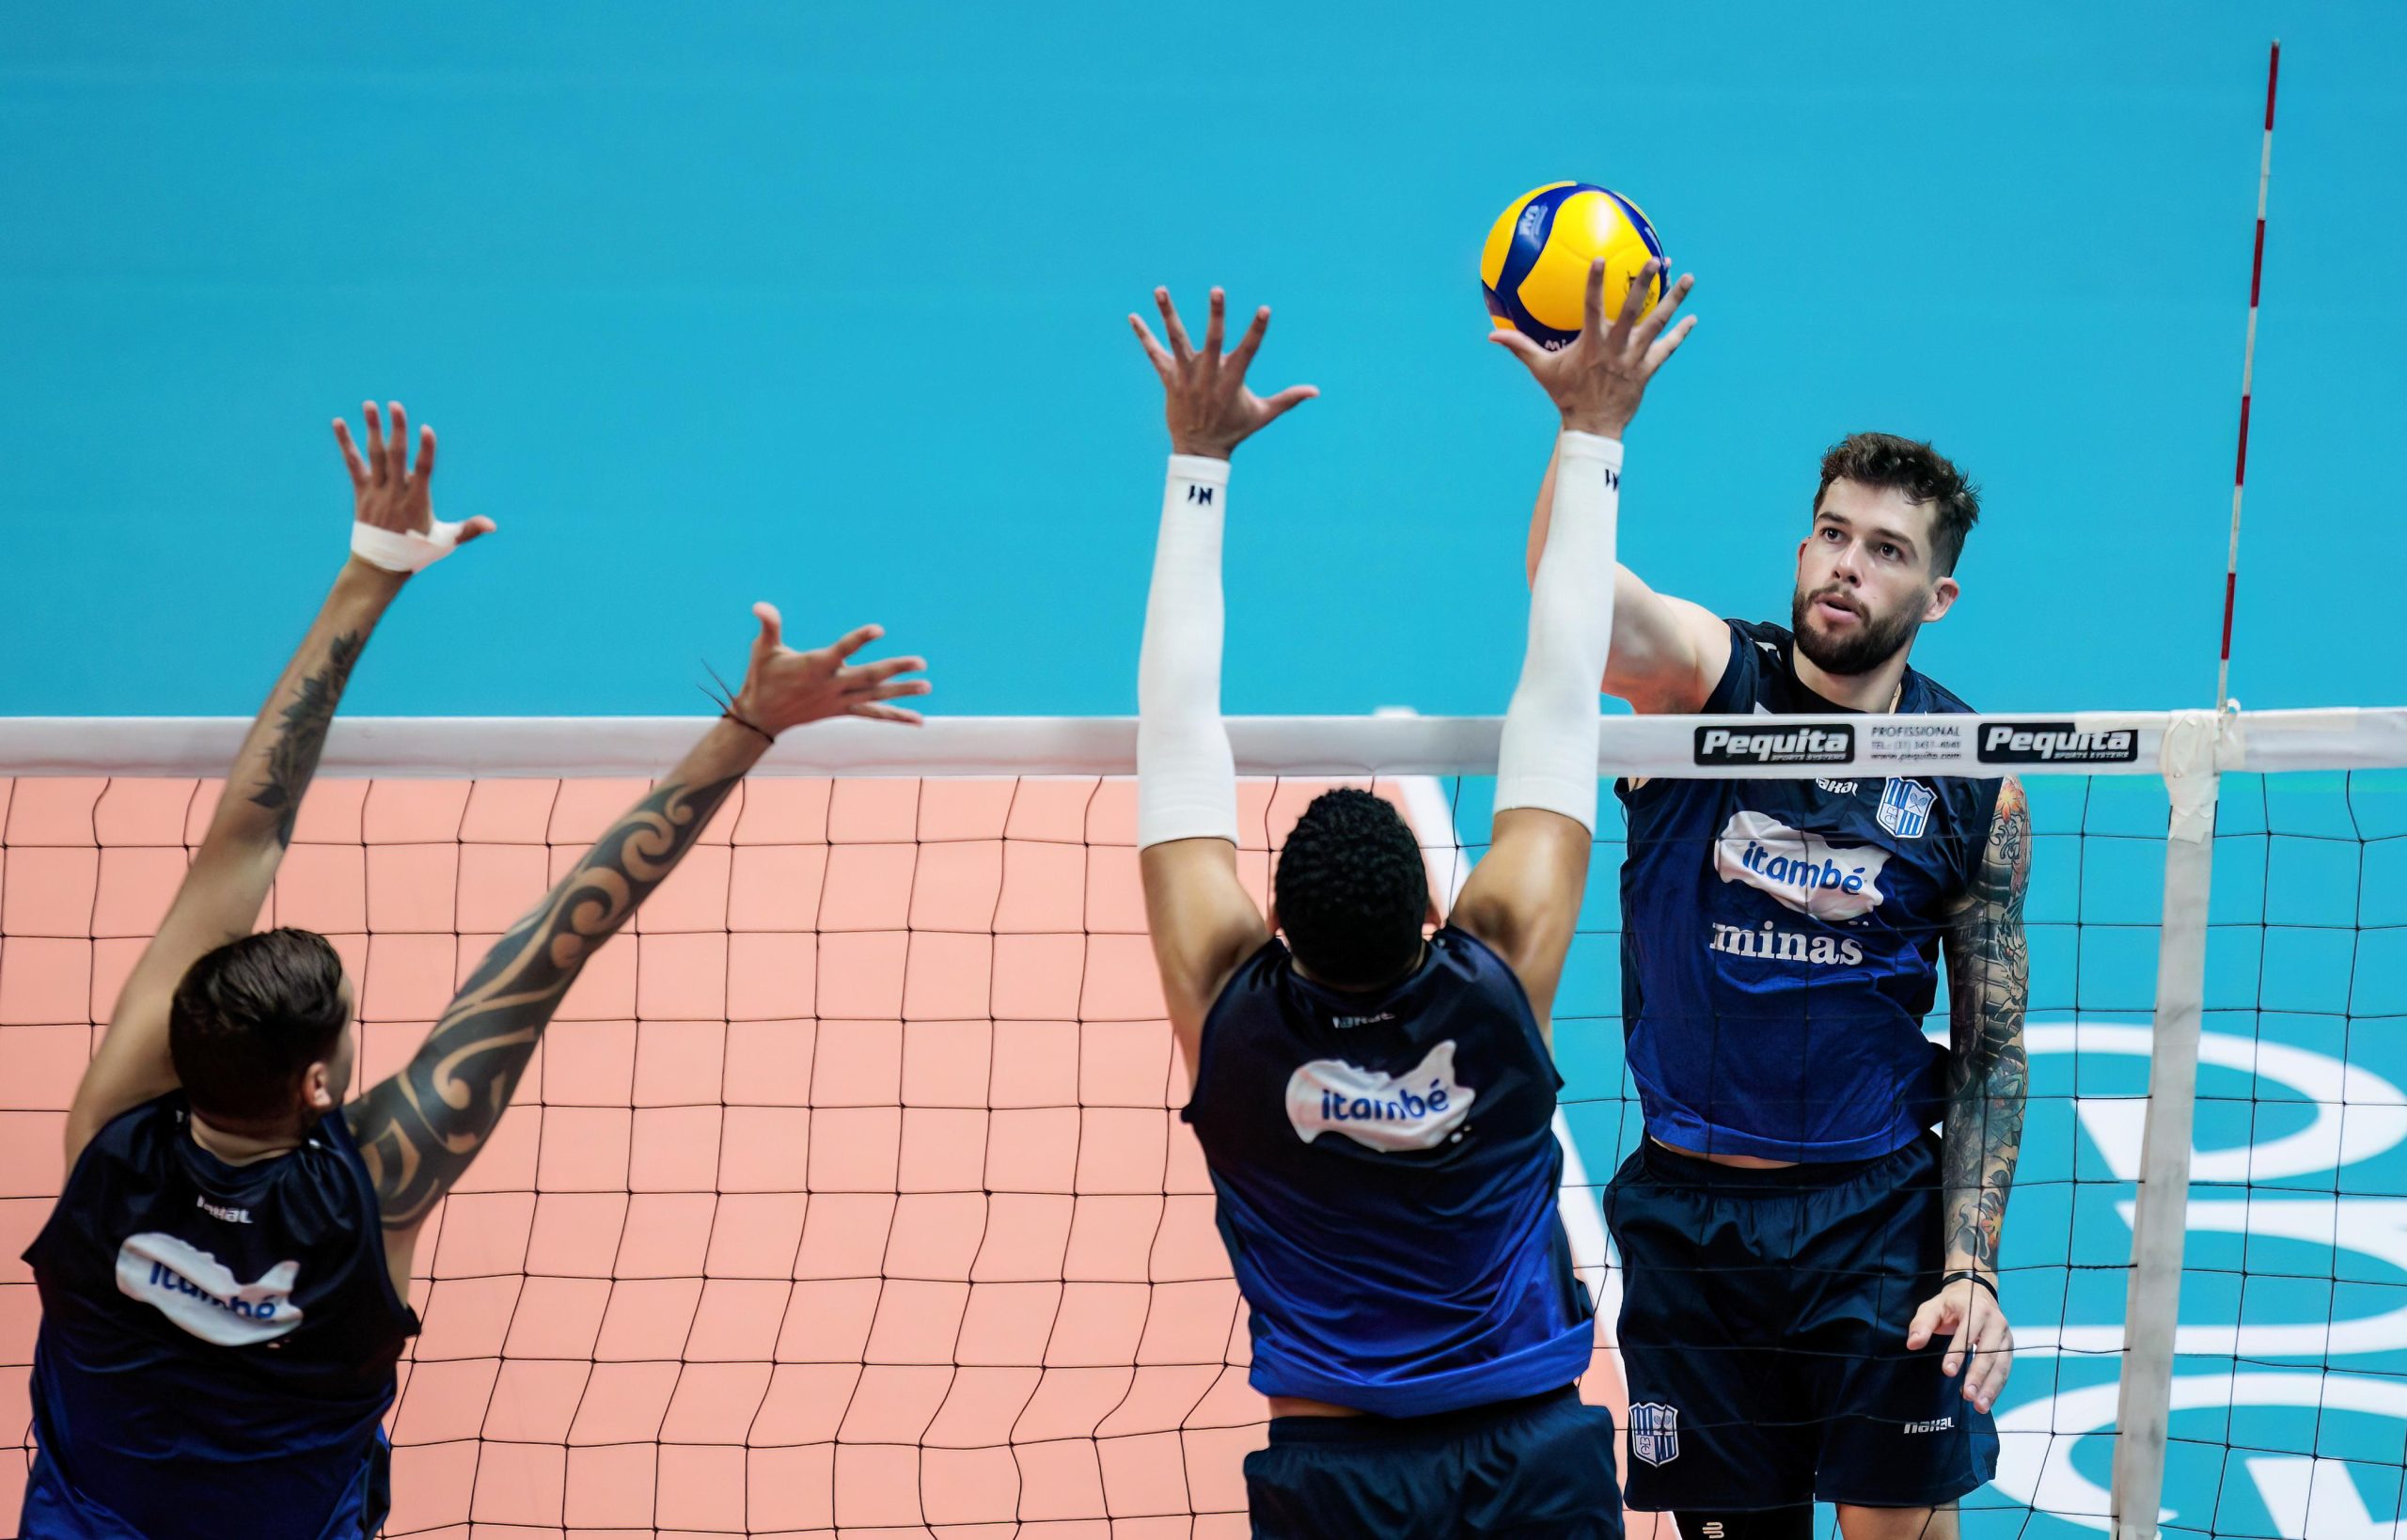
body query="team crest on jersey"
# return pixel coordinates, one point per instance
(1655, 1432)
(201, 1294)
(1905, 808)
(1419, 1109)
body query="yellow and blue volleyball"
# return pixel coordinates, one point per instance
(1535, 266)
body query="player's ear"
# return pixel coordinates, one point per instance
(1943, 599)
(318, 1088)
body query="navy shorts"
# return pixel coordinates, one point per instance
(55, 1510)
(1763, 1330)
(1540, 1467)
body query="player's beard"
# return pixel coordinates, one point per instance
(1871, 644)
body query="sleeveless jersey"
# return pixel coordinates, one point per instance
(1780, 939)
(1387, 1172)
(217, 1341)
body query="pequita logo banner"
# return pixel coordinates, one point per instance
(2055, 743)
(1799, 743)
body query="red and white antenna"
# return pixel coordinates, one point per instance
(2247, 376)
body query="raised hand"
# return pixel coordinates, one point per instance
(385, 494)
(1597, 382)
(1210, 410)
(785, 688)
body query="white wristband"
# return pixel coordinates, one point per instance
(1187, 778)
(403, 550)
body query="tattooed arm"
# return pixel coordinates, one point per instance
(421, 1128)
(1988, 976)
(229, 879)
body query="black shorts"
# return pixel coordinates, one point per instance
(1540, 1467)
(1763, 1331)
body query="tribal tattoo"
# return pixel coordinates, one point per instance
(419, 1129)
(292, 759)
(1989, 978)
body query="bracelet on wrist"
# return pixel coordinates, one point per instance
(724, 698)
(1975, 1277)
(766, 736)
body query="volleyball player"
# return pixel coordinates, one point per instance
(1376, 1108)
(1795, 1240)
(224, 1277)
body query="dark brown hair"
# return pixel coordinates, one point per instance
(250, 1016)
(1919, 471)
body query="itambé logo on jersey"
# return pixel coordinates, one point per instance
(2055, 743)
(1806, 743)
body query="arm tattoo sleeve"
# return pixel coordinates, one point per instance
(419, 1129)
(1989, 977)
(301, 736)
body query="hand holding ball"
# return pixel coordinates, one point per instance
(1535, 267)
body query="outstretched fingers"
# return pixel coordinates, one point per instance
(397, 445)
(1665, 346)
(376, 464)
(773, 627)
(1518, 345)
(854, 640)
(1633, 299)
(1658, 315)
(1181, 349)
(1287, 400)
(1215, 325)
(886, 713)
(351, 459)
(871, 676)
(1242, 354)
(1155, 353)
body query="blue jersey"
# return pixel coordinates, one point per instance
(1387, 1172)
(1780, 939)
(217, 1341)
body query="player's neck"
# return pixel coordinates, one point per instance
(241, 1147)
(1419, 957)
(1877, 689)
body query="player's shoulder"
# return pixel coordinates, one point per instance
(1764, 636)
(1939, 700)
(142, 1131)
(1758, 653)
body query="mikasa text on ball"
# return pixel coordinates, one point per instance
(1535, 266)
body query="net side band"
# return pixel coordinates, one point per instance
(2074, 742)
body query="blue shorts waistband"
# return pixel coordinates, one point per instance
(1446, 1425)
(1667, 1164)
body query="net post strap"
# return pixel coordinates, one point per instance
(2192, 753)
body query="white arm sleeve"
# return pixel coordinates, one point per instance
(1548, 755)
(1187, 776)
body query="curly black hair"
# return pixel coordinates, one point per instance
(1919, 471)
(248, 1017)
(1351, 890)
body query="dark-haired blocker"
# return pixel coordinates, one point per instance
(224, 1277)
(1376, 1107)
(1810, 1308)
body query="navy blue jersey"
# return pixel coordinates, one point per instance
(1387, 1172)
(217, 1341)
(1780, 939)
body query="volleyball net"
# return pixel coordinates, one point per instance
(848, 1193)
